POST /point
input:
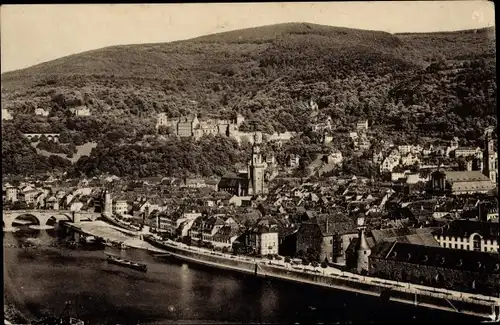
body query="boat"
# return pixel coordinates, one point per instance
(123, 262)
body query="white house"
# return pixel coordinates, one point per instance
(76, 206)
(6, 115)
(467, 151)
(263, 240)
(11, 193)
(42, 111)
(335, 158)
(405, 149)
(120, 206)
(409, 160)
(362, 125)
(389, 163)
(80, 111)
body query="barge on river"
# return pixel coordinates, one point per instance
(112, 259)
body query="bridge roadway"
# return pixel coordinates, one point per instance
(43, 216)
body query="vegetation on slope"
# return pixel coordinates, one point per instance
(438, 84)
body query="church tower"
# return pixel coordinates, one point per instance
(257, 168)
(490, 160)
(363, 251)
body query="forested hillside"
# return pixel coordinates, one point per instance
(438, 84)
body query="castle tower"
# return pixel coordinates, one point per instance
(257, 167)
(108, 203)
(363, 251)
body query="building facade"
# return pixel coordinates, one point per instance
(263, 240)
(468, 271)
(469, 235)
(257, 168)
(120, 207)
(460, 182)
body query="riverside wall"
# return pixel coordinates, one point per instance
(428, 297)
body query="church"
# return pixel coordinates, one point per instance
(249, 182)
(481, 178)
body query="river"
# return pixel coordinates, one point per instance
(39, 281)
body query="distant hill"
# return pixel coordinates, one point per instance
(436, 84)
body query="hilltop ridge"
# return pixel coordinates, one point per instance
(439, 85)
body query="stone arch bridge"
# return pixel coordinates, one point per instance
(43, 216)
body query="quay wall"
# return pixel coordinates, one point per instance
(399, 292)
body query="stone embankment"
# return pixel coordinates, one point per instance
(448, 300)
(454, 301)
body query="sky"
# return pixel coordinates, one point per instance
(32, 34)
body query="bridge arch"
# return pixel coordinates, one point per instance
(56, 218)
(25, 218)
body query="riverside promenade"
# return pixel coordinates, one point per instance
(408, 293)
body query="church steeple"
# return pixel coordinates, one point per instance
(257, 167)
(489, 160)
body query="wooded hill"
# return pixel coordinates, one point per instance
(438, 84)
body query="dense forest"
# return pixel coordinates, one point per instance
(437, 85)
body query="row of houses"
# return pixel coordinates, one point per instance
(219, 230)
(45, 112)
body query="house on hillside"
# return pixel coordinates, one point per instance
(293, 161)
(6, 114)
(80, 111)
(42, 112)
(362, 125)
(187, 125)
(468, 151)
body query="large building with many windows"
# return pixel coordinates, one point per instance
(468, 271)
(469, 235)
(460, 182)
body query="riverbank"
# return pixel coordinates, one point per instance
(12, 315)
(429, 297)
(407, 293)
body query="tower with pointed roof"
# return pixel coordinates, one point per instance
(363, 251)
(257, 168)
(490, 160)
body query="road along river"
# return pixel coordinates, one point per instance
(38, 281)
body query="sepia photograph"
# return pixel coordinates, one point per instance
(250, 163)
